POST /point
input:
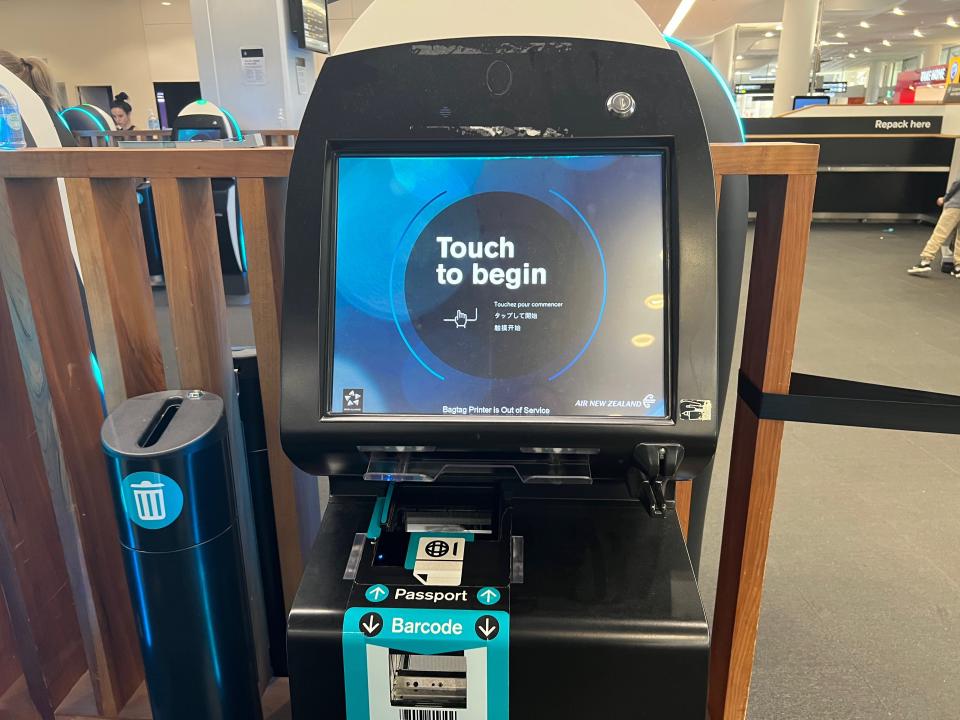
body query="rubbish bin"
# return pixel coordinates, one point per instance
(173, 493)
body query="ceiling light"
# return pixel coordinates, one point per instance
(840, 35)
(769, 33)
(952, 23)
(898, 11)
(852, 56)
(739, 57)
(867, 50)
(779, 27)
(678, 15)
(166, 4)
(886, 43)
(864, 24)
(917, 33)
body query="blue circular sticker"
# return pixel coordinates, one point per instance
(377, 593)
(488, 596)
(151, 500)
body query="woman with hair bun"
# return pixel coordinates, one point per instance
(121, 109)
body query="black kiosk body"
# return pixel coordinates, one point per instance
(500, 342)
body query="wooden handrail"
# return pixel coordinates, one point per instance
(52, 356)
(777, 158)
(151, 163)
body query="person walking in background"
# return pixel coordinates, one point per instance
(36, 75)
(946, 226)
(121, 109)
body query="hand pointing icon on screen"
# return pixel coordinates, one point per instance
(461, 319)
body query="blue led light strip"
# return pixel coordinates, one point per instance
(96, 120)
(717, 76)
(97, 375)
(243, 242)
(236, 125)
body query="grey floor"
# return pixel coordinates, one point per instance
(861, 612)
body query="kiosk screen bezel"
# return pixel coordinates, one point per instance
(467, 147)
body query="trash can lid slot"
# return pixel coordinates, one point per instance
(197, 422)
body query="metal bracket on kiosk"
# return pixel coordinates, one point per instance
(655, 477)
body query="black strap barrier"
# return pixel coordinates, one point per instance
(829, 401)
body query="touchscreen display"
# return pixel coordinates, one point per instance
(500, 286)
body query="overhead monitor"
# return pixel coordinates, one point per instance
(500, 285)
(802, 101)
(836, 87)
(309, 22)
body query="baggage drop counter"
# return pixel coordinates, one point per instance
(883, 163)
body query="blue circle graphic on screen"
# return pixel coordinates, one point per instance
(151, 500)
(477, 270)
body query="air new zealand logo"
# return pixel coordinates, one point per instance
(353, 400)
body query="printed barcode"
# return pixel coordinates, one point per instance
(427, 714)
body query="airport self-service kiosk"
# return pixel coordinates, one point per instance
(203, 120)
(89, 118)
(500, 342)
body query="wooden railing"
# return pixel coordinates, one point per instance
(79, 618)
(60, 563)
(110, 138)
(279, 138)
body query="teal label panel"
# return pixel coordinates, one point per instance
(379, 641)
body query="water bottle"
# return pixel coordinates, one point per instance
(152, 122)
(281, 119)
(11, 126)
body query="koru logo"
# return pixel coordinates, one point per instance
(353, 400)
(437, 548)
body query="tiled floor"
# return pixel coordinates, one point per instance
(861, 613)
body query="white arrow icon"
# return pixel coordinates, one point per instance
(489, 595)
(371, 626)
(487, 629)
(378, 592)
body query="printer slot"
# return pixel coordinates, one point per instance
(449, 520)
(438, 681)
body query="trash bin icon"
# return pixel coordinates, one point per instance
(149, 499)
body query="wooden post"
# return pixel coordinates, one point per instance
(191, 264)
(36, 254)
(773, 306)
(119, 300)
(262, 202)
(684, 498)
(198, 313)
(42, 622)
(10, 670)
